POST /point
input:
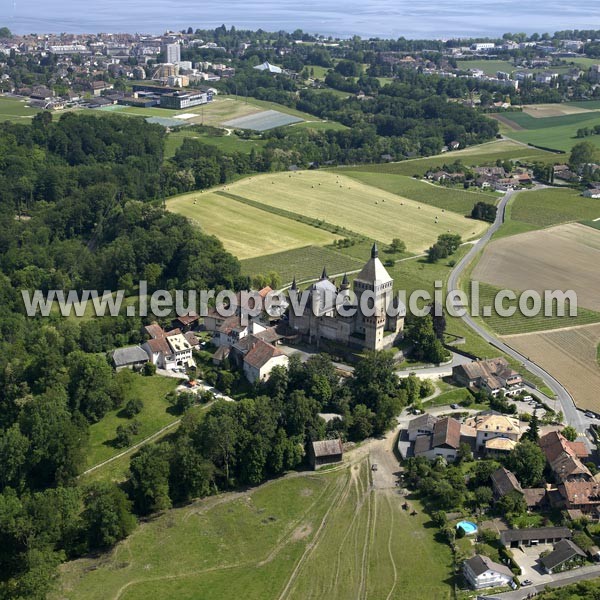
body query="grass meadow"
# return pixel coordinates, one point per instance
(16, 110)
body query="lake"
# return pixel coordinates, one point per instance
(383, 18)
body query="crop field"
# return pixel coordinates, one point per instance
(244, 230)
(570, 355)
(564, 257)
(543, 208)
(303, 263)
(355, 206)
(481, 154)
(301, 537)
(519, 323)
(15, 109)
(552, 126)
(152, 391)
(453, 199)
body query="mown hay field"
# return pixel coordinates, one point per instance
(570, 355)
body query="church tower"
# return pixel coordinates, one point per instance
(373, 288)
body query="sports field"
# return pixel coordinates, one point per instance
(355, 206)
(560, 258)
(16, 109)
(310, 536)
(570, 355)
(244, 230)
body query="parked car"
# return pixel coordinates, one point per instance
(454, 406)
(527, 582)
(374, 467)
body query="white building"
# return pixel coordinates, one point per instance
(261, 359)
(173, 52)
(482, 572)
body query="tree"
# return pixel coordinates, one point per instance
(397, 246)
(464, 453)
(5, 33)
(133, 407)
(107, 515)
(527, 463)
(483, 496)
(533, 433)
(361, 426)
(149, 479)
(512, 503)
(582, 154)
(570, 433)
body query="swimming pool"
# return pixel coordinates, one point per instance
(468, 527)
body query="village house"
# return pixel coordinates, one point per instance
(565, 555)
(482, 572)
(490, 426)
(504, 482)
(261, 359)
(168, 349)
(565, 457)
(444, 441)
(422, 425)
(325, 452)
(593, 191)
(493, 375)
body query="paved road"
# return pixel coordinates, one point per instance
(572, 415)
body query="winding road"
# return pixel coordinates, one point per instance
(571, 414)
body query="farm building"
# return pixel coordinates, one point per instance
(494, 376)
(444, 441)
(504, 482)
(563, 557)
(482, 572)
(132, 357)
(325, 452)
(516, 538)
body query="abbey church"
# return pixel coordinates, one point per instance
(321, 319)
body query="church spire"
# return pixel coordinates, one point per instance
(324, 274)
(374, 251)
(345, 282)
(294, 287)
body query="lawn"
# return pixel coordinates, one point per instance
(355, 206)
(453, 199)
(16, 110)
(309, 536)
(246, 231)
(481, 154)
(453, 396)
(303, 263)
(227, 143)
(547, 207)
(152, 391)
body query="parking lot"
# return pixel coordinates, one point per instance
(527, 559)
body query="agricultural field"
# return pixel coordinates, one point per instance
(456, 200)
(303, 263)
(481, 154)
(227, 143)
(570, 355)
(355, 206)
(272, 542)
(16, 110)
(246, 231)
(547, 207)
(564, 257)
(551, 126)
(155, 415)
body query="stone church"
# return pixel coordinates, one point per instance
(321, 319)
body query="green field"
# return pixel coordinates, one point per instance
(355, 206)
(16, 110)
(303, 263)
(453, 199)
(489, 67)
(152, 391)
(302, 537)
(543, 208)
(481, 154)
(553, 132)
(519, 323)
(227, 143)
(244, 230)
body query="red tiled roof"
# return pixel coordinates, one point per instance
(154, 330)
(261, 353)
(446, 432)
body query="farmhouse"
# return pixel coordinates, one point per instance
(325, 452)
(494, 376)
(565, 555)
(260, 360)
(320, 319)
(490, 426)
(422, 425)
(564, 457)
(444, 441)
(132, 357)
(593, 191)
(580, 495)
(504, 482)
(516, 538)
(482, 572)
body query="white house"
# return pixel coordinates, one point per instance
(260, 360)
(491, 426)
(482, 572)
(168, 350)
